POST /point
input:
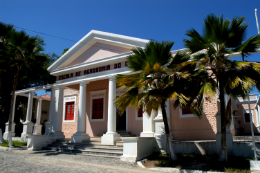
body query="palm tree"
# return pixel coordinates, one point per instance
(4, 35)
(23, 54)
(211, 52)
(156, 81)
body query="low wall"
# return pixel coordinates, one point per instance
(198, 147)
(137, 148)
(244, 149)
(36, 142)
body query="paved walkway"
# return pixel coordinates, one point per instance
(31, 161)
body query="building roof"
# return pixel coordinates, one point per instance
(46, 96)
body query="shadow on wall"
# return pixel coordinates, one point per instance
(242, 121)
(192, 127)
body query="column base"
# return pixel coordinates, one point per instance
(27, 128)
(7, 130)
(147, 134)
(80, 137)
(6, 135)
(110, 138)
(37, 129)
(48, 127)
(59, 135)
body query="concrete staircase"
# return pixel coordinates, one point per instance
(122, 133)
(90, 148)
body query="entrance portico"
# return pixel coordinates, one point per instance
(82, 98)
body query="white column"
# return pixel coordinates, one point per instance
(48, 124)
(81, 135)
(58, 112)
(257, 117)
(148, 124)
(13, 124)
(37, 125)
(28, 125)
(111, 136)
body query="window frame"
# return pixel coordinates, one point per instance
(186, 115)
(97, 95)
(70, 98)
(247, 111)
(136, 115)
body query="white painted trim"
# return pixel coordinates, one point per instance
(94, 76)
(186, 115)
(93, 36)
(98, 92)
(136, 116)
(252, 115)
(74, 96)
(92, 64)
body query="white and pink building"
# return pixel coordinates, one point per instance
(81, 103)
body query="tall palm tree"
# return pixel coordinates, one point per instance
(156, 81)
(24, 53)
(211, 53)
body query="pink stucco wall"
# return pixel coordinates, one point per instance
(69, 128)
(134, 126)
(98, 51)
(194, 128)
(246, 126)
(94, 128)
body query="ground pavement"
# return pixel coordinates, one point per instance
(29, 161)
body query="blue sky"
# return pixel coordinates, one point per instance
(147, 19)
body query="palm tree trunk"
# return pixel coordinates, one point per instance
(223, 152)
(11, 108)
(167, 131)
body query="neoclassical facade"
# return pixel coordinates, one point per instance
(81, 103)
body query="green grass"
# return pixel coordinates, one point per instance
(205, 163)
(16, 144)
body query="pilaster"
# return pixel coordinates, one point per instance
(58, 112)
(38, 126)
(48, 124)
(28, 125)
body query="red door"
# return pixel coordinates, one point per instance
(69, 111)
(97, 109)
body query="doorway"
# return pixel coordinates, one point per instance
(120, 121)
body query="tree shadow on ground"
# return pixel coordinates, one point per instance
(199, 162)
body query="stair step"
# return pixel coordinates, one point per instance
(86, 148)
(109, 153)
(87, 142)
(98, 145)
(108, 156)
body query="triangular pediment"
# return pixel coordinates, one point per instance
(98, 51)
(95, 46)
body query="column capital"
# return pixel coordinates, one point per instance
(111, 77)
(84, 83)
(59, 87)
(31, 91)
(39, 98)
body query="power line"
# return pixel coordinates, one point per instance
(46, 34)
(64, 38)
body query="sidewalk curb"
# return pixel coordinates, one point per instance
(167, 169)
(10, 149)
